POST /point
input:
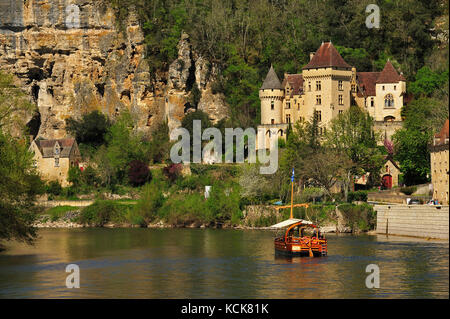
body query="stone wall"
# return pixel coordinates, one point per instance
(413, 220)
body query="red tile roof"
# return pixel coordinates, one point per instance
(327, 56)
(295, 81)
(389, 74)
(367, 82)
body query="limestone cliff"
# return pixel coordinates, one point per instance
(71, 58)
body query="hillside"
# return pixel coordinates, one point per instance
(159, 59)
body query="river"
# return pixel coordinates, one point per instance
(209, 263)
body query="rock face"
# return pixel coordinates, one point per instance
(72, 59)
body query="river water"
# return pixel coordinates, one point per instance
(196, 263)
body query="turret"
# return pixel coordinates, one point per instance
(271, 95)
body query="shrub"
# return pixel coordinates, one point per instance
(54, 188)
(103, 211)
(408, 190)
(173, 171)
(359, 217)
(139, 173)
(148, 205)
(357, 196)
(185, 209)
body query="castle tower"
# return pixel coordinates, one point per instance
(271, 95)
(327, 84)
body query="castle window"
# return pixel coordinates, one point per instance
(383, 87)
(395, 87)
(353, 88)
(56, 162)
(341, 99)
(288, 118)
(318, 86)
(287, 91)
(272, 121)
(340, 85)
(272, 105)
(372, 103)
(309, 86)
(318, 115)
(340, 111)
(288, 105)
(318, 100)
(389, 100)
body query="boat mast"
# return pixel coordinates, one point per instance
(292, 194)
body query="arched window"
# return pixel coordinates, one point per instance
(389, 118)
(389, 100)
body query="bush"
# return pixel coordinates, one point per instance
(359, 217)
(139, 173)
(408, 190)
(54, 188)
(173, 171)
(103, 211)
(357, 196)
(185, 209)
(148, 205)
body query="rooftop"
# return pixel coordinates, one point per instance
(327, 56)
(271, 81)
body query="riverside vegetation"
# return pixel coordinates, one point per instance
(241, 39)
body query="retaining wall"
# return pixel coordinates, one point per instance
(413, 220)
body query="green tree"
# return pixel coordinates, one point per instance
(18, 190)
(352, 133)
(90, 129)
(423, 118)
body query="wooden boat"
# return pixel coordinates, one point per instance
(292, 240)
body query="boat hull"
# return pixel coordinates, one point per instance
(299, 249)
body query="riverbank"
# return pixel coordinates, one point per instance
(331, 218)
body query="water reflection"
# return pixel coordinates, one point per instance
(194, 263)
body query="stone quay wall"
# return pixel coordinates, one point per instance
(413, 220)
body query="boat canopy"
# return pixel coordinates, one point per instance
(290, 222)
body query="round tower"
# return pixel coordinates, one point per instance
(271, 95)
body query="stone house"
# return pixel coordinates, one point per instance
(389, 174)
(54, 158)
(326, 88)
(440, 165)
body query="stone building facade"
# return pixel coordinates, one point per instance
(326, 88)
(54, 158)
(440, 165)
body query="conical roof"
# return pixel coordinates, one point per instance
(271, 81)
(389, 74)
(327, 56)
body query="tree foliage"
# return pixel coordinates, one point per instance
(20, 184)
(90, 129)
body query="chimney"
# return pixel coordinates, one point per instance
(311, 55)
